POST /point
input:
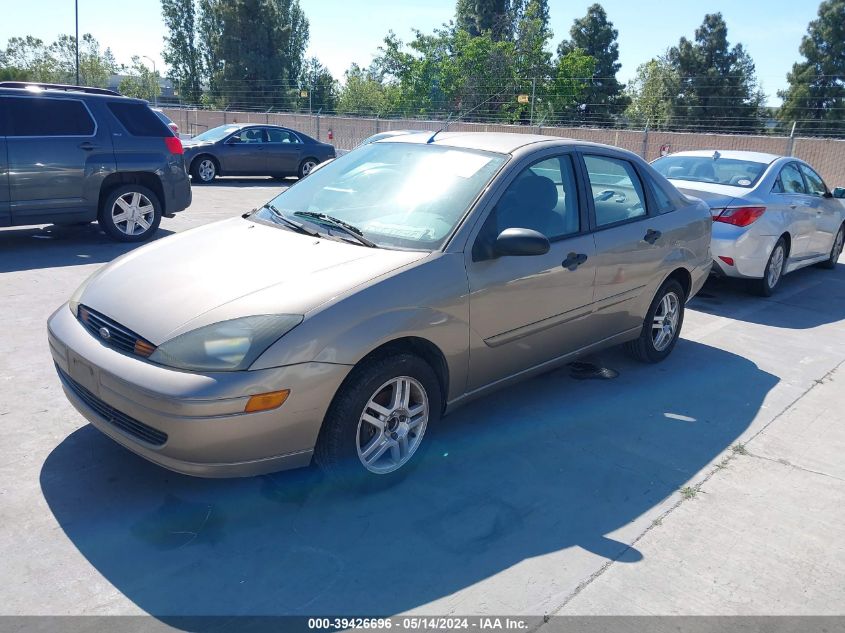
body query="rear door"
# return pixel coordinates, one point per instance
(828, 212)
(791, 197)
(245, 153)
(531, 309)
(633, 240)
(55, 152)
(284, 151)
(5, 215)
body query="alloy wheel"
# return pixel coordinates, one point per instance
(308, 166)
(665, 322)
(392, 425)
(206, 170)
(133, 213)
(775, 266)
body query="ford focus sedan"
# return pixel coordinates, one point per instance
(339, 322)
(771, 214)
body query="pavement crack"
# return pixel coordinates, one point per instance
(789, 464)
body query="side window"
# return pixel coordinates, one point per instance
(36, 116)
(281, 136)
(616, 188)
(791, 180)
(4, 129)
(543, 197)
(250, 135)
(664, 202)
(814, 181)
(138, 119)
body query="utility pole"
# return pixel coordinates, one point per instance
(533, 91)
(310, 93)
(155, 78)
(76, 14)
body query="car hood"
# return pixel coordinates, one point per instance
(227, 270)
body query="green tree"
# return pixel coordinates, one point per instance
(651, 94)
(321, 87)
(253, 50)
(480, 16)
(570, 87)
(594, 34)
(815, 98)
(30, 57)
(363, 93)
(718, 84)
(141, 82)
(181, 53)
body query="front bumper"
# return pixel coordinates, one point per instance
(200, 416)
(749, 251)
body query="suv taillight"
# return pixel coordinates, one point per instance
(739, 216)
(174, 145)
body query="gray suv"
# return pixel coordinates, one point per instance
(70, 154)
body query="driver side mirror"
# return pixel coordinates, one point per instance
(839, 192)
(516, 242)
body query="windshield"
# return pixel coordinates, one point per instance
(723, 171)
(216, 133)
(399, 195)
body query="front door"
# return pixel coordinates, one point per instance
(796, 205)
(5, 216)
(52, 145)
(245, 153)
(632, 241)
(528, 310)
(828, 212)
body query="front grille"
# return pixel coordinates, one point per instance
(119, 337)
(136, 429)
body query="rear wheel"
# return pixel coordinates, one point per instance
(374, 431)
(204, 169)
(130, 213)
(662, 325)
(307, 166)
(836, 249)
(773, 273)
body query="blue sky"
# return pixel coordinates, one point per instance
(345, 31)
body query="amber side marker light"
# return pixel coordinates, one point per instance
(266, 401)
(142, 348)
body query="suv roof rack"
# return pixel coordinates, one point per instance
(65, 87)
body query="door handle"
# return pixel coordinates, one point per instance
(652, 236)
(573, 260)
(88, 146)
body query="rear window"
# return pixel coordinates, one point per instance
(39, 116)
(723, 171)
(139, 119)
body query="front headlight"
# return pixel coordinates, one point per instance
(225, 346)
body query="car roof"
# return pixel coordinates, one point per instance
(500, 142)
(735, 154)
(68, 93)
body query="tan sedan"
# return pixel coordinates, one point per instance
(342, 320)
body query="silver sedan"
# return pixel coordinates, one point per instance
(342, 319)
(771, 214)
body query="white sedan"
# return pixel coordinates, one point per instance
(771, 214)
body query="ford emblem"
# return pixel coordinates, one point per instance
(104, 333)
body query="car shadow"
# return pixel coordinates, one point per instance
(804, 299)
(550, 465)
(36, 247)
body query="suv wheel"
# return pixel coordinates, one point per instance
(204, 169)
(130, 213)
(374, 431)
(662, 325)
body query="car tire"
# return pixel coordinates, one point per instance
(130, 213)
(353, 451)
(655, 344)
(835, 250)
(204, 169)
(773, 273)
(306, 167)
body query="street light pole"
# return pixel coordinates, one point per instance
(76, 14)
(155, 76)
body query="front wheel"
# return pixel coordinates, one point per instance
(204, 170)
(375, 429)
(773, 272)
(836, 249)
(130, 213)
(662, 325)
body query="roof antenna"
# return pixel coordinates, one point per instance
(716, 155)
(445, 127)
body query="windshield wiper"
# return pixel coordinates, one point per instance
(350, 229)
(296, 226)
